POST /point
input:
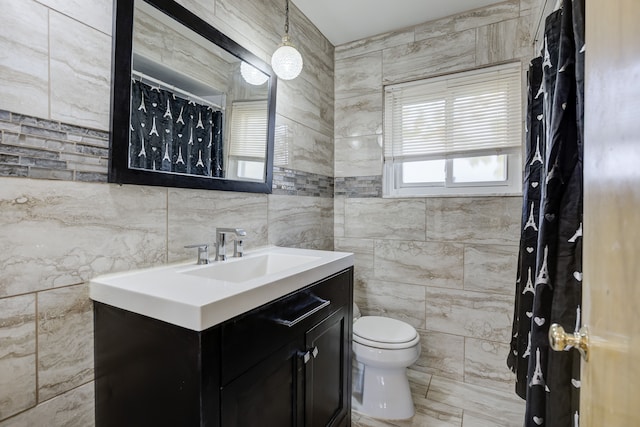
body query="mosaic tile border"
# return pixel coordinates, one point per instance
(31, 147)
(297, 183)
(359, 186)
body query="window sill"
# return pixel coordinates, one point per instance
(450, 195)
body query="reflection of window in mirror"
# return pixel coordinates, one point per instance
(282, 143)
(247, 140)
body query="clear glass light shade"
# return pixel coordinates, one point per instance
(286, 61)
(252, 75)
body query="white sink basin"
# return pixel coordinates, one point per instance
(200, 296)
(244, 269)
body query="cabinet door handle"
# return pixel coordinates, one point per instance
(306, 357)
(303, 316)
(314, 352)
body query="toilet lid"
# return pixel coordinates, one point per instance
(383, 330)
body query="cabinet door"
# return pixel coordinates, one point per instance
(267, 394)
(326, 393)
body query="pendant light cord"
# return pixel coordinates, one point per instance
(286, 19)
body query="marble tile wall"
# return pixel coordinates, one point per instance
(17, 354)
(72, 409)
(300, 148)
(79, 64)
(24, 78)
(65, 325)
(458, 291)
(62, 224)
(445, 265)
(300, 221)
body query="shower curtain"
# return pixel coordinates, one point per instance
(172, 134)
(548, 288)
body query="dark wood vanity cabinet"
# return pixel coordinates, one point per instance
(286, 363)
(327, 371)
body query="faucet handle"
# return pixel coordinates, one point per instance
(203, 252)
(237, 231)
(238, 248)
(221, 242)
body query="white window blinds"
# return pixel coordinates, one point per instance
(454, 114)
(248, 129)
(282, 146)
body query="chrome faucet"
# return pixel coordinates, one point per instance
(203, 252)
(221, 242)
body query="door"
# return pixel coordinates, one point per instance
(326, 391)
(610, 392)
(267, 394)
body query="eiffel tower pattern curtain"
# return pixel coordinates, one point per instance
(548, 288)
(172, 134)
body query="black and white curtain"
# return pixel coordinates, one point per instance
(172, 134)
(549, 285)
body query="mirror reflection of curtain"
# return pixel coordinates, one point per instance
(217, 165)
(172, 134)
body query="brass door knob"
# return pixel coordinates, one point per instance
(559, 340)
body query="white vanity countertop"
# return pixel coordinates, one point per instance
(181, 293)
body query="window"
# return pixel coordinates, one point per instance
(459, 134)
(248, 140)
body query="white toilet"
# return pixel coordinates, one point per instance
(383, 348)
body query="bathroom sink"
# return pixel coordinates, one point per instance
(244, 269)
(200, 296)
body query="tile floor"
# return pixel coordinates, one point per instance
(441, 402)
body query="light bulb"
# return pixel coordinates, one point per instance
(286, 61)
(252, 75)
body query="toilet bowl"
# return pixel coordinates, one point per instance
(383, 348)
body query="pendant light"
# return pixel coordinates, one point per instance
(252, 75)
(286, 61)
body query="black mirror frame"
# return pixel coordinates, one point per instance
(119, 171)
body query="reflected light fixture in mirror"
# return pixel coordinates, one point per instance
(252, 75)
(286, 61)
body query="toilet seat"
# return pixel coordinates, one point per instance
(384, 333)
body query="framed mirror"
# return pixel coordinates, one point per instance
(190, 107)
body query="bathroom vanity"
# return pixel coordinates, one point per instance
(267, 342)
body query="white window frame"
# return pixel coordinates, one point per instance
(511, 145)
(248, 136)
